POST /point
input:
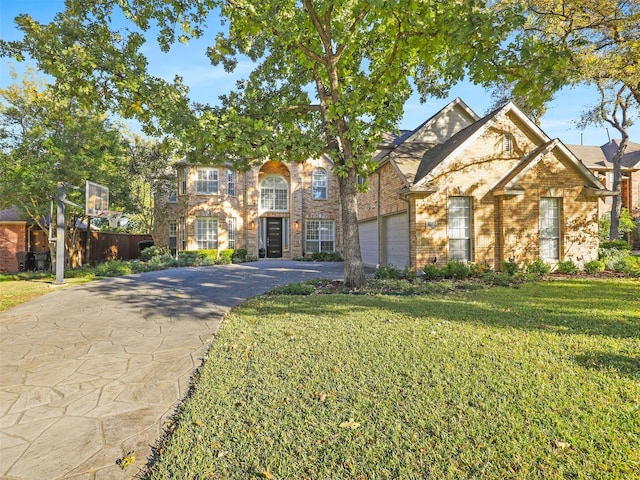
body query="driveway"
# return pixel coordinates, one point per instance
(90, 374)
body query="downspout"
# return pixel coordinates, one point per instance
(405, 198)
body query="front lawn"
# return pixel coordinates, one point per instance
(541, 381)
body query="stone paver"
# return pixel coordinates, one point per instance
(91, 373)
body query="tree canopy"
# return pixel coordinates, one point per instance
(329, 76)
(45, 139)
(601, 40)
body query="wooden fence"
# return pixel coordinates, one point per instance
(107, 246)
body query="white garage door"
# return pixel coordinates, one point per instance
(396, 240)
(368, 232)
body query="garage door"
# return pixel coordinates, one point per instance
(369, 242)
(396, 240)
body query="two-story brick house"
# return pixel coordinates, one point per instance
(458, 187)
(275, 210)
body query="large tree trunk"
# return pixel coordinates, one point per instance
(353, 267)
(616, 203)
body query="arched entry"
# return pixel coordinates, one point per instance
(274, 209)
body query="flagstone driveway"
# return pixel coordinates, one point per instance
(91, 373)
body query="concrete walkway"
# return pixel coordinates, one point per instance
(91, 373)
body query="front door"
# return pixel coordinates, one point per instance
(274, 237)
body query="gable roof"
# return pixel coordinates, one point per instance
(599, 158)
(443, 154)
(509, 183)
(410, 147)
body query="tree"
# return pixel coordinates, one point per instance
(44, 140)
(149, 174)
(601, 41)
(329, 76)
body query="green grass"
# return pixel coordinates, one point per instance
(542, 381)
(19, 288)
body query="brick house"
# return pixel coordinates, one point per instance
(18, 236)
(275, 210)
(484, 190)
(598, 160)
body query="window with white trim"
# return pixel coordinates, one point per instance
(183, 233)
(173, 235)
(274, 194)
(172, 196)
(460, 229)
(550, 229)
(231, 233)
(319, 182)
(207, 181)
(206, 233)
(231, 182)
(183, 181)
(320, 235)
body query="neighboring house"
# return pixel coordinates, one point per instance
(459, 187)
(275, 210)
(598, 160)
(480, 190)
(18, 236)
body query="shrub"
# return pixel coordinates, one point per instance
(226, 255)
(615, 244)
(456, 270)
(479, 269)
(150, 252)
(239, 255)
(510, 268)
(567, 267)
(431, 272)
(409, 274)
(388, 272)
(325, 257)
(538, 267)
(594, 266)
(211, 254)
(113, 268)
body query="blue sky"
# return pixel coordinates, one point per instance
(206, 82)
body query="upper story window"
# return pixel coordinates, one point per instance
(183, 181)
(507, 143)
(172, 196)
(274, 194)
(231, 182)
(207, 181)
(319, 184)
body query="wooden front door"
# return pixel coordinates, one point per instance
(274, 237)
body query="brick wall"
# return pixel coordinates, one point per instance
(244, 206)
(13, 239)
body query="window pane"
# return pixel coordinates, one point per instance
(207, 181)
(320, 235)
(319, 184)
(207, 233)
(231, 232)
(231, 182)
(460, 228)
(274, 194)
(550, 229)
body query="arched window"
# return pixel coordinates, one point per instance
(319, 184)
(274, 194)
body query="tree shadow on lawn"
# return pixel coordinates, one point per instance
(566, 308)
(624, 365)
